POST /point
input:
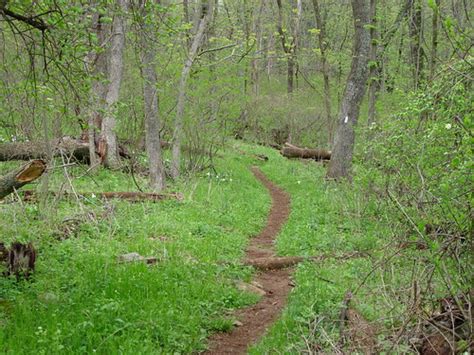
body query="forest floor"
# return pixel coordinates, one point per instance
(81, 299)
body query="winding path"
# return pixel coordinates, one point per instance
(276, 283)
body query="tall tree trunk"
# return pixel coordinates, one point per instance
(341, 158)
(193, 51)
(416, 49)
(434, 38)
(374, 69)
(257, 27)
(99, 87)
(150, 95)
(325, 69)
(108, 139)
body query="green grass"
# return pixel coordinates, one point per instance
(82, 301)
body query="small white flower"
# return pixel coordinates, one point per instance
(93, 195)
(298, 182)
(448, 126)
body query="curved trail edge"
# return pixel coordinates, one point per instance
(256, 319)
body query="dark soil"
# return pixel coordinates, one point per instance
(276, 283)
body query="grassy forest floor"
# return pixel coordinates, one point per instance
(81, 300)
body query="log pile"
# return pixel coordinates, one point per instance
(292, 151)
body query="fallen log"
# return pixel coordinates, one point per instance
(291, 151)
(140, 196)
(30, 195)
(22, 176)
(66, 146)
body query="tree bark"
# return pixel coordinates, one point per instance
(416, 49)
(108, 140)
(373, 64)
(22, 176)
(70, 147)
(434, 38)
(257, 27)
(180, 106)
(291, 151)
(99, 70)
(325, 69)
(152, 120)
(38, 150)
(341, 158)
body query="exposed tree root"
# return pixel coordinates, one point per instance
(282, 262)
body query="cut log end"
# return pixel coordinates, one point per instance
(22, 176)
(31, 171)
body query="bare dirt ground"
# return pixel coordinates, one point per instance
(276, 283)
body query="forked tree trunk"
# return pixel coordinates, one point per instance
(108, 146)
(152, 120)
(341, 158)
(193, 51)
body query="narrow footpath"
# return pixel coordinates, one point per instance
(276, 283)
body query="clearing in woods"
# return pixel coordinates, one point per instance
(276, 283)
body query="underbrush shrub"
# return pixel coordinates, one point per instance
(419, 164)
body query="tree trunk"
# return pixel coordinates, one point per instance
(108, 141)
(416, 49)
(257, 27)
(373, 64)
(20, 177)
(341, 158)
(325, 69)
(152, 120)
(434, 38)
(99, 87)
(193, 51)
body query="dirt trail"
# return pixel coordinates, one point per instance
(276, 283)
